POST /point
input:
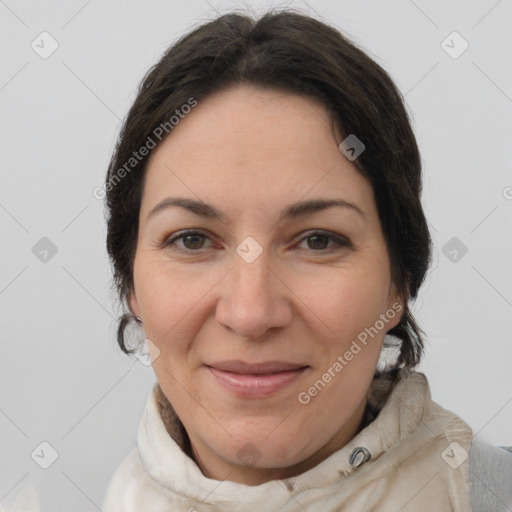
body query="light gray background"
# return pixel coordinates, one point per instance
(63, 380)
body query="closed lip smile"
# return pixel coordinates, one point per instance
(255, 380)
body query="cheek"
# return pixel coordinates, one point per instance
(176, 304)
(163, 302)
(348, 302)
(166, 294)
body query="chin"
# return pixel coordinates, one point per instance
(264, 450)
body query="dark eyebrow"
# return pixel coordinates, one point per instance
(198, 207)
(316, 205)
(292, 211)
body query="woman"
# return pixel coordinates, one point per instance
(249, 143)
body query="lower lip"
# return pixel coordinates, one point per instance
(255, 386)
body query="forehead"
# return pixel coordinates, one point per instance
(255, 146)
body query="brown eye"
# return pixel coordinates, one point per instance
(193, 241)
(321, 241)
(190, 241)
(318, 242)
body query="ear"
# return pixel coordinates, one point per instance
(395, 305)
(133, 303)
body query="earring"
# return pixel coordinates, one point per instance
(138, 319)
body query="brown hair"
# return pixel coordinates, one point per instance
(293, 52)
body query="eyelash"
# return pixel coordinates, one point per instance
(341, 242)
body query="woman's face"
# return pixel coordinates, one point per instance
(269, 318)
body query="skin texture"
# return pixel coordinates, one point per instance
(250, 152)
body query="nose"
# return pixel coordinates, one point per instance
(254, 299)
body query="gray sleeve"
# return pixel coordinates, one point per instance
(490, 469)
